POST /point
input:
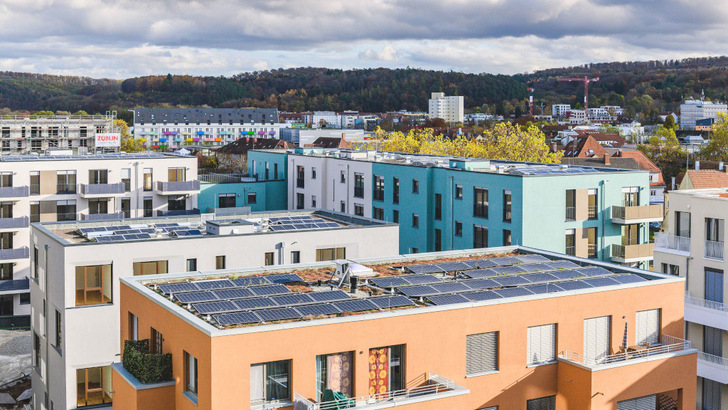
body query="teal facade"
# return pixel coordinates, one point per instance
(267, 165)
(269, 195)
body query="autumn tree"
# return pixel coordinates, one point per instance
(717, 147)
(128, 143)
(665, 151)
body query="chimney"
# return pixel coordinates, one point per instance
(607, 160)
(673, 183)
(697, 165)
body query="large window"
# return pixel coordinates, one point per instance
(458, 192)
(6, 209)
(126, 178)
(35, 182)
(6, 305)
(570, 242)
(98, 176)
(507, 206)
(507, 238)
(220, 262)
(591, 235)
(541, 344)
(226, 200)
(148, 207)
(480, 236)
(386, 369)
(542, 403)
(176, 175)
(648, 327)
(378, 213)
(133, 327)
(592, 204)
(335, 372)
(269, 259)
(481, 353)
(126, 207)
(93, 386)
(395, 190)
(480, 202)
(66, 182)
(93, 284)
(682, 224)
(148, 181)
(358, 209)
(269, 382)
(358, 185)
(156, 341)
(150, 268)
(438, 207)
(300, 201)
(438, 240)
(300, 176)
(415, 186)
(6, 271)
(570, 204)
(66, 210)
(98, 206)
(190, 374)
(330, 254)
(378, 188)
(415, 221)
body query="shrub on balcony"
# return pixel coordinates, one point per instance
(146, 367)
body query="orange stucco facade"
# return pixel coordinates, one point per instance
(435, 341)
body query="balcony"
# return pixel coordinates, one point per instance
(706, 312)
(177, 187)
(625, 215)
(14, 192)
(14, 223)
(102, 217)
(20, 253)
(434, 387)
(713, 367)
(102, 190)
(14, 286)
(714, 250)
(665, 242)
(671, 346)
(632, 253)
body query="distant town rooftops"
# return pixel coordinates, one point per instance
(89, 157)
(202, 115)
(303, 295)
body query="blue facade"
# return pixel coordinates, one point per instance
(259, 195)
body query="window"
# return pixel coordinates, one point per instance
(176, 175)
(34, 211)
(330, 254)
(543, 403)
(191, 265)
(269, 382)
(313, 172)
(682, 224)
(252, 198)
(226, 200)
(591, 234)
(268, 259)
(343, 177)
(458, 192)
(66, 182)
(390, 358)
(714, 238)
(25, 298)
(300, 176)
(93, 386)
(669, 269)
(378, 213)
(148, 207)
(570, 204)
(35, 262)
(66, 210)
(438, 240)
(6, 240)
(156, 341)
(148, 179)
(300, 198)
(507, 206)
(378, 188)
(150, 268)
(358, 185)
(395, 216)
(415, 186)
(36, 350)
(6, 209)
(190, 374)
(220, 262)
(59, 329)
(415, 221)
(714, 285)
(630, 196)
(126, 207)
(98, 206)
(506, 237)
(438, 207)
(133, 327)
(295, 256)
(6, 305)
(481, 353)
(480, 236)
(342, 206)
(458, 228)
(335, 372)
(395, 190)
(6, 271)
(126, 178)
(592, 204)
(480, 203)
(570, 242)
(541, 344)
(34, 182)
(711, 394)
(98, 176)
(313, 201)
(93, 285)
(648, 327)
(358, 209)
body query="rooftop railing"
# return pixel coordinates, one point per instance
(670, 344)
(673, 242)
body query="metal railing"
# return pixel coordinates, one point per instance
(714, 250)
(570, 213)
(65, 216)
(721, 361)
(670, 344)
(102, 189)
(173, 186)
(571, 250)
(238, 210)
(692, 300)
(10, 223)
(179, 212)
(674, 242)
(592, 212)
(19, 253)
(435, 384)
(226, 178)
(65, 188)
(14, 191)
(102, 217)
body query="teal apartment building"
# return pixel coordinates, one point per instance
(446, 203)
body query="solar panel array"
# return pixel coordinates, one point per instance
(119, 233)
(290, 223)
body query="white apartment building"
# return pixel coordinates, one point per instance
(329, 119)
(172, 128)
(50, 188)
(451, 109)
(560, 110)
(22, 134)
(577, 117)
(692, 245)
(334, 182)
(75, 280)
(693, 110)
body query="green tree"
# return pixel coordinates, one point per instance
(716, 148)
(670, 122)
(80, 112)
(128, 143)
(665, 151)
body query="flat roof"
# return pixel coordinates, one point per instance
(251, 299)
(196, 226)
(712, 193)
(121, 156)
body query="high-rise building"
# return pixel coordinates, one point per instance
(693, 110)
(23, 134)
(451, 109)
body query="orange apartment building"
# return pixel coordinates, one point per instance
(499, 328)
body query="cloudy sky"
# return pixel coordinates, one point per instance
(126, 38)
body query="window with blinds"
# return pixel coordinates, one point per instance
(542, 403)
(711, 395)
(648, 327)
(639, 403)
(596, 339)
(541, 344)
(481, 353)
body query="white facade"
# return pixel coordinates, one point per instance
(89, 334)
(577, 117)
(693, 246)
(331, 119)
(560, 110)
(21, 134)
(693, 110)
(450, 109)
(52, 188)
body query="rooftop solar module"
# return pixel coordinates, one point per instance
(505, 270)
(534, 267)
(447, 299)
(482, 295)
(270, 315)
(316, 310)
(237, 293)
(511, 280)
(480, 263)
(544, 288)
(389, 282)
(480, 283)
(253, 303)
(447, 287)
(386, 302)
(193, 297)
(424, 268)
(540, 277)
(169, 288)
(284, 278)
(601, 281)
(417, 290)
(215, 284)
(562, 264)
(532, 258)
(566, 274)
(479, 273)
(504, 261)
(421, 279)
(269, 290)
(238, 318)
(215, 307)
(513, 292)
(328, 296)
(573, 285)
(594, 270)
(251, 281)
(629, 278)
(292, 299)
(453, 266)
(356, 305)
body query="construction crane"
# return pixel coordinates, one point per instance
(586, 82)
(530, 101)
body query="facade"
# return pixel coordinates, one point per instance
(75, 281)
(171, 128)
(79, 187)
(693, 110)
(237, 194)
(451, 109)
(447, 203)
(326, 119)
(451, 342)
(23, 134)
(692, 246)
(233, 157)
(302, 137)
(560, 110)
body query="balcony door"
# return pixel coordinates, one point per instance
(713, 341)
(596, 339)
(714, 285)
(631, 234)
(98, 176)
(631, 196)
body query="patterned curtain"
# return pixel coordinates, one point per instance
(378, 370)
(339, 367)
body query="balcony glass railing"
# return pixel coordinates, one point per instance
(177, 186)
(695, 301)
(11, 223)
(102, 189)
(721, 361)
(636, 251)
(714, 250)
(20, 253)
(14, 191)
(672, 242)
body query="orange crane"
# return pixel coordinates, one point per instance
(586, 82)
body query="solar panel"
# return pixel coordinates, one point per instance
(629, 278)
(544, 288)
(562, 264)
(594, 270)
(573, 285)
(540, 277)
(292, 299)
(483, 295)
(479, 273)
(389, 282)
(284, 278)
(270, 315)
(480, 283)
(447, 299)
(250, 281)
(417, 290)
(386, 302)
(215, 284)
(532, 258)
(269, 290)
(356, 305)
(504, 270)
(511, 280)
(424, 269)
(504, 261)
(420, 279)
(601, 281)
(168, 288)
(447, 287)
(513, 292)
(253, 303)
(215, 307)
(453, 266)
(534, 267)
(480, 263)
(329, 296)
(195, 297)
(285, 227)
(233, 293)
(566, 274)
(238, 318)
(316, 310)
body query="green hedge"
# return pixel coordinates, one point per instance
(145, 366)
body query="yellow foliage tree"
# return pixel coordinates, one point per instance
(128, 144)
